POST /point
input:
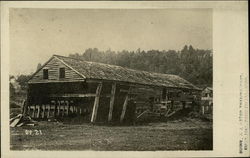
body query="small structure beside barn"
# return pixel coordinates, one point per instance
(207, 100)
(66, 87)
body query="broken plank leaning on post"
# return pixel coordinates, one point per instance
(96, 103)
(125, 106)
(112, 100)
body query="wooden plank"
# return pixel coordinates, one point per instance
(96, 103)
(54, 81)
(112, 100)
(73, 95)
(124, 107)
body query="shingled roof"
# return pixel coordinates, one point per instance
(94, 70)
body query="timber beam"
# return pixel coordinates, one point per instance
(77, 95)
(124, 107)
(96, 103)
(112, 100)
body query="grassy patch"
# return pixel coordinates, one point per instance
(188, 135)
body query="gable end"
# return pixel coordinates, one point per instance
(53, 66)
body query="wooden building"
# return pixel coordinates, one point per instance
(98, 92)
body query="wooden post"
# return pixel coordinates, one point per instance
(58, 108)
(183, 105)
(38, 111)
(207, 108)
(96, 103)
(24, 110)
(67, 108)
(28, 111)
(62, 107)
(44, 108)
(33, 111)
(172, 105)
(48, 113)
(71, 106)
(112, 100)
(75, 110)
(53, 107)
(202, 110)
(124, 106)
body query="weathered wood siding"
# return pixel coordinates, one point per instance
(53, 70)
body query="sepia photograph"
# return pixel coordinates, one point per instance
(126, 79)
(111, 79)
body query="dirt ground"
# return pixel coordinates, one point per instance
(187, 134)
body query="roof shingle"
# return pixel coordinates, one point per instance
(94, 70)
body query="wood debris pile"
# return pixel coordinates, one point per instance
(21, 120)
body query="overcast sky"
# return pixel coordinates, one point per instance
(37, 34)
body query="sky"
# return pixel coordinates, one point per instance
(37, 34)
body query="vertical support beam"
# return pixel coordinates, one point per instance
(202, 110)
(24, 104)
(43, 108)
(53, 106)
(172, 105)
(62, 107)
(38, 111)
(28, 112)
(58, 108)
(112, 100)
(124, 106)
(48, 113)
(71, 106)
(67, 108)
(96, 103)
(183, 104)
(33, 111)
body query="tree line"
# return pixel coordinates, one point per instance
(194, 65)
